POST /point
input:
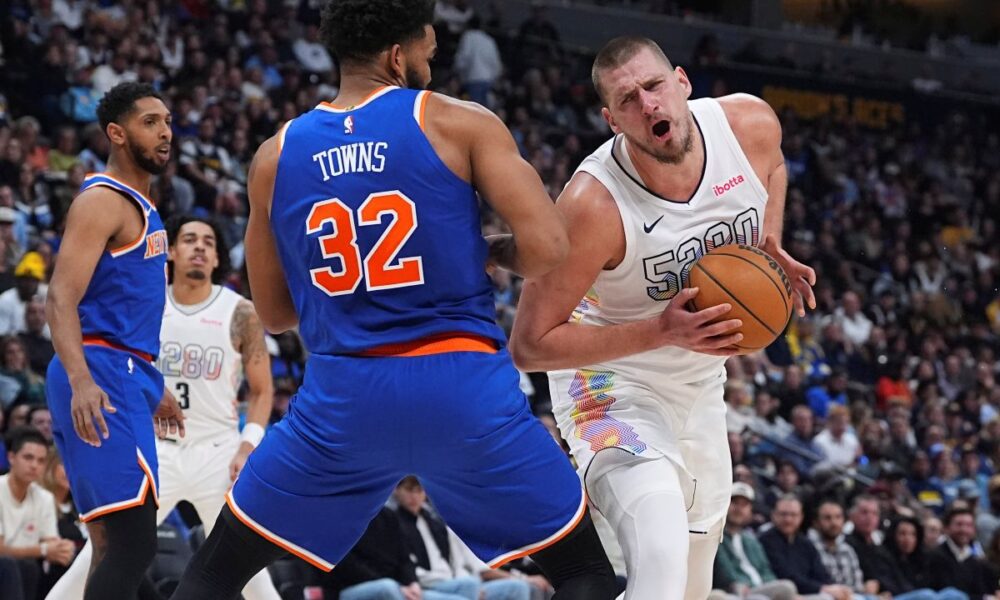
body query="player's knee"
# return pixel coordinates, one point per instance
(701, 558)
(138, 551)
(601, 584)
(698, 586)
(98, 536)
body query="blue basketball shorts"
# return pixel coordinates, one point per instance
(456, 420)
(123, 470)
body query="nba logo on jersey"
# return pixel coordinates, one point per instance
(349, 124)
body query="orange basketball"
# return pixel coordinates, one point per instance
(753, 283)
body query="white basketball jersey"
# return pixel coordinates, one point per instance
(200, 366)
(663, 238)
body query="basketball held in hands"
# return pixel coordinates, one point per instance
(753, 283)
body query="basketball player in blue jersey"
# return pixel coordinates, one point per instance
(104, 307)
(365, 232)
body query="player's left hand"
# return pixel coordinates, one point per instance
(168, 418)
(236, 465)
(803, 278)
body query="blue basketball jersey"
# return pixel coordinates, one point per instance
(380, 242)
(124, 301)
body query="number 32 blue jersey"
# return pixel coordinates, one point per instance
(379, 240)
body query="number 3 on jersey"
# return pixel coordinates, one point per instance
(381, 269)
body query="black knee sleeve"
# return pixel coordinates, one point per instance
(131, 536)
(577, 565)
(228, 559)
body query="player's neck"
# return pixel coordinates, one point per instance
(675, 181)
(189, 293)
(130, 174)
(356, 85)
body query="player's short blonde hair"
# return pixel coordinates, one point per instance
(619, 51)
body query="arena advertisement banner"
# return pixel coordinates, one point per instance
(871, 106)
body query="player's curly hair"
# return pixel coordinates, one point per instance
(120, 101)
(173, 227)
(357, 30)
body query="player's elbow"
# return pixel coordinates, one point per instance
(276, 322)
(524, 352)
(548, 252)
(55, 303)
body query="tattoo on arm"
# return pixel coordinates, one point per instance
(248, 334)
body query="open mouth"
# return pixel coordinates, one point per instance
(661, 129)
(163, 152)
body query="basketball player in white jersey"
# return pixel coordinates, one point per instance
(211, 339)
(636, 378)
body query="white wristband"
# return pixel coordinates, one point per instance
(44, 547)
(252, 434)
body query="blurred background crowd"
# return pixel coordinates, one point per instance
(881, 406)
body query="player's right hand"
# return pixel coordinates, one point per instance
(169, 417)
(86, 407)
(694, 331)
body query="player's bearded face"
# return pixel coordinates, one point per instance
(419, 53)
(414, 80)
(647, 101)
(673, 150)
(152, 159)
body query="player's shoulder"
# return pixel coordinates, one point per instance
(230, 294)
(269, 151)
(100, 208)
(100, 192)
(458, 114)
(744, 105)
(751, 118)
(587, 201)
(242, 308)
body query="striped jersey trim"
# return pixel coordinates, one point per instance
(420, 107)
(552, 539)
(148, 485)
(376, 93)
(275, 539)
(138, 241)
(90, 176)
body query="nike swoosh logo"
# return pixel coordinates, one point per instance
(649, 228)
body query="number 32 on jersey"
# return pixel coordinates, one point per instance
(380, 268)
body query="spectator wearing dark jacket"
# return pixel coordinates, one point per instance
(876, 561)
(379, 562)
(903, 542)
(953, 564)
(793, 556)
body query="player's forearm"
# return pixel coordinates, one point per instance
(259, 402)
(774, 215)
(67, 337)
(273, 302)
(573, 345)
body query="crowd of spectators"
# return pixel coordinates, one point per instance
(883, 401)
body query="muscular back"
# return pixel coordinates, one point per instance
(374, 232)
